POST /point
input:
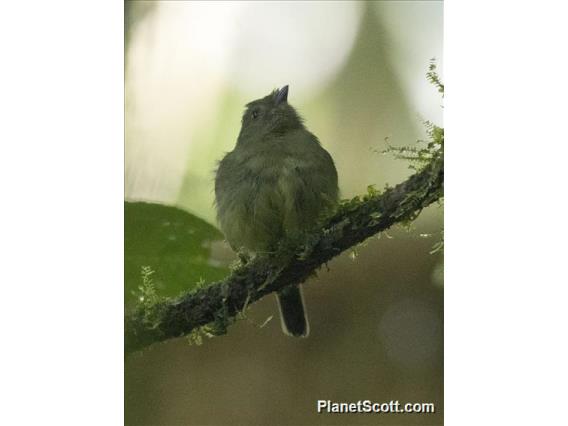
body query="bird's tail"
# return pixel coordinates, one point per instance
(293, 312)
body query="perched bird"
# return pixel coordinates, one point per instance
(276, 184)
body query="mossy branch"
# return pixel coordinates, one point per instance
(215, 305)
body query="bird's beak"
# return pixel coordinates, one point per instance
(281, 95)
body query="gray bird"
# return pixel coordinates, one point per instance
(276, 184)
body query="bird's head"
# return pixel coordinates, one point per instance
(271, 115)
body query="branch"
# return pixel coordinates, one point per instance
(219, 302)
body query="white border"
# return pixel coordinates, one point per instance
(61, 174)
(505, 225)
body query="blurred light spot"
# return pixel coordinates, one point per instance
(215, 263)
(438, 275)
(174, 77)
(411, 333)
(303, 44)
(415, 29)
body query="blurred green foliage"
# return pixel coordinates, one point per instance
(175, 244)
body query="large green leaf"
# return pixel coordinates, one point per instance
(175, 244)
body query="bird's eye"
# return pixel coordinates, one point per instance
(255, 114)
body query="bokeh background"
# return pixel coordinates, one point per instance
(356, 72)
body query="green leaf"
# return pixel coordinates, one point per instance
(175, 244)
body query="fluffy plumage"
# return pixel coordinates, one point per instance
(275, 184)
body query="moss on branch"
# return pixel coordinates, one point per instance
(210, 309)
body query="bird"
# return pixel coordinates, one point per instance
(277, 183)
